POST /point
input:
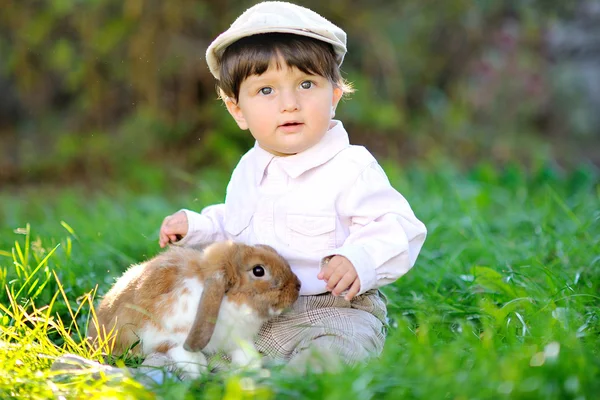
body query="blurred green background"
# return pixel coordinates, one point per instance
(118, 91)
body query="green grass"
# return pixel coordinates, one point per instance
(503, 303)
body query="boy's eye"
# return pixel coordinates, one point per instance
(306, 84)
(265, 90)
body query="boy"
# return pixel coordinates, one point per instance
(325, 205)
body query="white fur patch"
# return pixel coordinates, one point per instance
(176, 323)
(236, 327)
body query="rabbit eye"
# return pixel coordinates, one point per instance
(258, 271)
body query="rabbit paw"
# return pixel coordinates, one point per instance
(191, 364)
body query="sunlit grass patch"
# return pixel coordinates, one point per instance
(37, 326)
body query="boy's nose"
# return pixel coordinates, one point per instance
(289, 102)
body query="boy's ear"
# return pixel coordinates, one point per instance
(337, 96)
(236, 113)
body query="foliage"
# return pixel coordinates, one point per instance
(106, 88)
(503, 302)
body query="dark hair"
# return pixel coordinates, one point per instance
(252, 55)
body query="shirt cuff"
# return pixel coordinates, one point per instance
(363, 264)
(199, 231)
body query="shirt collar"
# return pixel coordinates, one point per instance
(334, 141)
(262, 159)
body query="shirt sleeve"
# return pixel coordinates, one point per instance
(205, 227)
(385, 236)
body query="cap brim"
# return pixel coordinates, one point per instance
(218, 46)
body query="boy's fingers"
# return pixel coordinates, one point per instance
(172, 229)
(343, 284)
(353, 291)
(165, 239)
(325, 273)
(333, 263)
(176, 228)
(162, 241)
(335, 277)
(169, 224)
(327, 270)
(166, 230)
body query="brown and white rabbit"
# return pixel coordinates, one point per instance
(184, 302)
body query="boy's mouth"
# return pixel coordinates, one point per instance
(291, 126)
(291, 123)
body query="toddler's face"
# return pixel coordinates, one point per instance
(286, 110)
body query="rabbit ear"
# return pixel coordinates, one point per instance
(206, 316)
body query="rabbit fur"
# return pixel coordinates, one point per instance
(189, 303)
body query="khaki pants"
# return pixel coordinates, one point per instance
(350, 331)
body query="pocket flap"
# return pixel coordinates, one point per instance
(236, 222)
(311, 225)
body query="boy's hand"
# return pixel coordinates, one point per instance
(339, 274)
(173, 228)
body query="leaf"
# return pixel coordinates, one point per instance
(492, 281)
(68, 228)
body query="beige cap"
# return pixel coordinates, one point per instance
(276, 16)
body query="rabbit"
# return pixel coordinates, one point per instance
(188, 303)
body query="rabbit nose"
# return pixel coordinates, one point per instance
(298, 285)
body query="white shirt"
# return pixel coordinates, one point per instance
(333, 198)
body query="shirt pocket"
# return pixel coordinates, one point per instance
(309, 233)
